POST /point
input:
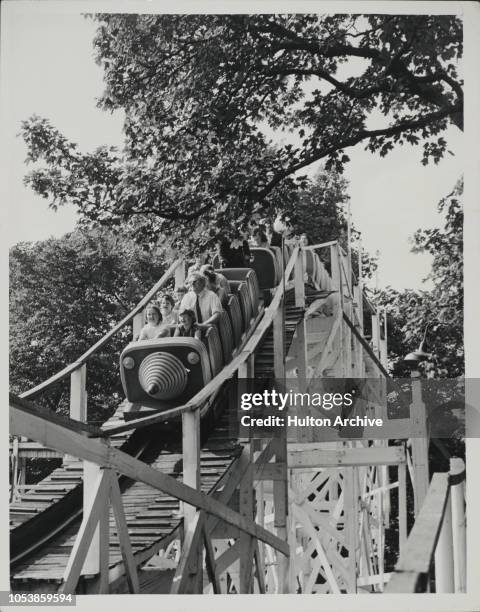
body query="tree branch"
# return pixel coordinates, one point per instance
(353, 140)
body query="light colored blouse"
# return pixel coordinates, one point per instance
(150, 332)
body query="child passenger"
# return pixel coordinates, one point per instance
(187, 327)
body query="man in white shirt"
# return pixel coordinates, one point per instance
(204, 303)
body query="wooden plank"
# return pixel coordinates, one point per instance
(246, 548)
(229, 556)
(78, 394)
(183, 582)
(402, 507)
(322, 557)
(279, 344)
(317, 457)
(191, 455)
(123, 536)
(98, 451)
(299, 282)
(31, 393)
(211, 565)
(423, 537)
(99, 499)
(406, 582)
(336, 326)
(270, 471)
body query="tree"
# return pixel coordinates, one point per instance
(65, 294)
(409, 312)
(202, 95)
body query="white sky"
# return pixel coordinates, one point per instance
(48, 70)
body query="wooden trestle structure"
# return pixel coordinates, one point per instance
(241, 515)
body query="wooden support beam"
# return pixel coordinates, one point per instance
(316, 457)
(419, 443)
(186, 575)
(99, 498)
(457, 489)
(270, 471)
(91, 474)
(211, 565)
(78, 394)
(323, 561)
(191, 456)
(123, 536)
(229, 556)
(402, 507)
(191, 477)
(299, 274)
(259, 568)
(104, 550)
(280, 508)
(279, 345)
(444, 572)
(246, 542)
(351, 516)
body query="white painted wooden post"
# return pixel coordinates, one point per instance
(402, 506)
(280, 508)
(279, 344)
(419, 443)
(375, 335)
(91, 475)
(78, 394)
(78, 397)
(457, 466)
(247, 543)
(299, 275)
(137, 324)
(350, 515)
(180, 274)
(191, 477)
(280, 487)
(444, 581)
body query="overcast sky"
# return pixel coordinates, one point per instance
(48, 70)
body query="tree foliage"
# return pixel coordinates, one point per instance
(65, 294)
(409, 312)
(207, 97)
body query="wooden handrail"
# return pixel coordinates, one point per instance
(227, 372)
(31, 393)
(411, 571)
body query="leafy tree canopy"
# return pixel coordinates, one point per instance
(65, 294)
(409, 312)
(204, 95)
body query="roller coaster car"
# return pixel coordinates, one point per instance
(167, 372)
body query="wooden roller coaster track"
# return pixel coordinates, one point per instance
(134, 508)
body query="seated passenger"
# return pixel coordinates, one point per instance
(180, 292)
(204, 303)
(197, 264)
(220, 278)
(215, 287)
(187, 328)
(260, 238)
(169, 316)
(234, 254)
(154, 327)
